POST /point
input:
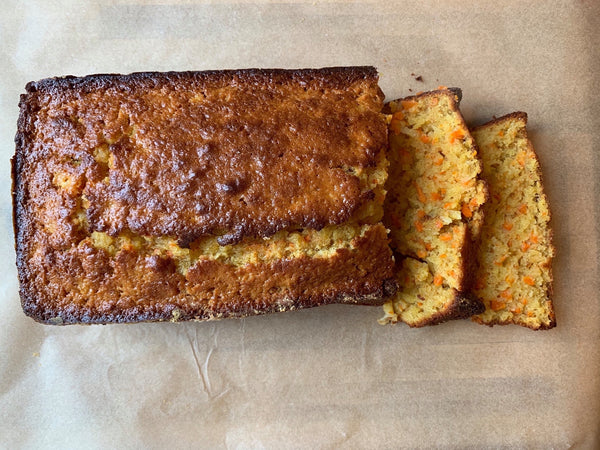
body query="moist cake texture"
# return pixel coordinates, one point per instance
(514, 276)
(433, 209)
(195, 195)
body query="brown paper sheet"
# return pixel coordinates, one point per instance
(328, 377)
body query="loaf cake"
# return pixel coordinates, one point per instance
(514, 276)
(433, 209)
(200, 195)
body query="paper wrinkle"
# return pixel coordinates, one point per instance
(202, 358)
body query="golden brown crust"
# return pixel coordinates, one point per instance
(128, 142)
(86, 285)
(234, 153)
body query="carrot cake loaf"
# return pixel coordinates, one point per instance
(200, 195)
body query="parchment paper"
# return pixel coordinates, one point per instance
(328, 377)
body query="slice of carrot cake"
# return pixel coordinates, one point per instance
(433, 209)
(514, 275)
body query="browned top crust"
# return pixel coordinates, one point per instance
(231, 153)
(517, 115)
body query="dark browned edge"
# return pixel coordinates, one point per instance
(134, 315)
(464, 304)
(20, 219)
(520, 115)
(336, 76)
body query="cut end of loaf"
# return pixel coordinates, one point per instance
(514, 275)
(433, 208)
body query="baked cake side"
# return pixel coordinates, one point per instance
(514, 274)
(433, 209)
(161, 196)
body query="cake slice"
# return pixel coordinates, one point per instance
(433, 209)
(200, 195)
(514, 275)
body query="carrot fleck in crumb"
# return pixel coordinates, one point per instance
(425, 139)
(528, 280)
(466, 211)
(497, 305)
(420, 194)
(437, 280)
(456, 135)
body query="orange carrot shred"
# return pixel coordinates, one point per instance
(419, 225)
(422, 254)
(407, 104)
(525, 246)
(438, 280)
(420, 194)
(523, 208)
(398, 115)
(466, 211)
(528, 280)
(446, 237)
(497, 305)
(396, 127)
(456, 134)
(507, 226)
